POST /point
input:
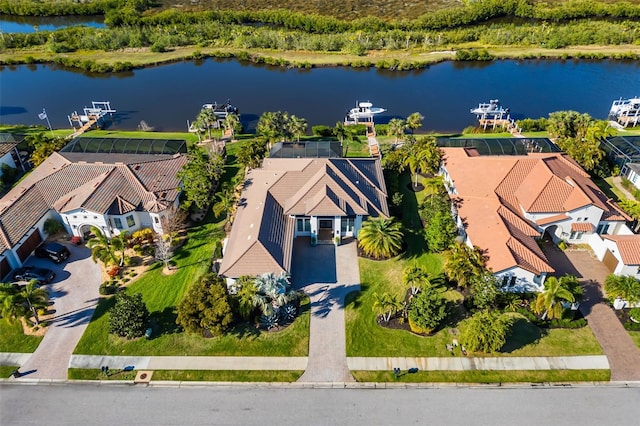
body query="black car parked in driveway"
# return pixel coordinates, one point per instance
(53, 251)
(28, 273)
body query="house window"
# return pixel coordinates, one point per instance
(576, 236)
(304, 224)
(156, 220)
(347, 224)
(117, 222)
(603, 229)
(130, 221)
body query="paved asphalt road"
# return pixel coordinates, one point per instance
(94, 404)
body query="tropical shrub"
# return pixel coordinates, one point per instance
(128, 317)
(624, 287)
(206, 307)
(427, 311)
(53, 226)
(380, 238)
(486, 331)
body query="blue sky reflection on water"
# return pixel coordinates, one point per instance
(167, 96)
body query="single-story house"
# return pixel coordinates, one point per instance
(324, 199)
(504, 203)
(113, 188)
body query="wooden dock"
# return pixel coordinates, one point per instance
(374, 147)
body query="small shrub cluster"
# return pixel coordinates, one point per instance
(109, 287)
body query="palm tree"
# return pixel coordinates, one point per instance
(35, 297)
(396, 128)
(624, 287)
(549, 302)
(340, 131)
(462, 263)
(11, 302)
(380, 237)
(119, 244)
(297, 126)
(101, 248)
(416, 277)
(386, 305)
(232, 123)
(246, 296)
(207, 117)
(226, 199)
(414, 121)
(272, 292)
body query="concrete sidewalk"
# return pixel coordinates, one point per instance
(189, 363)
(595, 362)
(589, 362)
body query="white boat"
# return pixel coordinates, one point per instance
(363, 111)
(490, 109)
(222, 110)
(625, 107)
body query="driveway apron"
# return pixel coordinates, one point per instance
(623, 355)
(74, 293)
(327, 274)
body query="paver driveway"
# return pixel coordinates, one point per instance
(623, 355)
(74, 292)
(326, 273)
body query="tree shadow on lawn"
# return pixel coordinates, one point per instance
(164, 322)
(355, 297)
(523, 333)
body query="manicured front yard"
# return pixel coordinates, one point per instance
(366, 338)
(13, 340)
(162, 293)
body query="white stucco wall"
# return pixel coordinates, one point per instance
(634, 178)
(525, 280)
(75, 219)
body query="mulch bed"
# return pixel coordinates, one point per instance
(361, 252)
(415, 188)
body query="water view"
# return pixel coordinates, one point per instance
(165, 97)
(29, 24)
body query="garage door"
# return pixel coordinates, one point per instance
(5, 268)
(610, 261)
(30, 245)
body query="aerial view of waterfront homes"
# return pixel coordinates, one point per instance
(435, 193)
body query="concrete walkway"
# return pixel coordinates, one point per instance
(75, 296)
(189, 362)
(622, 353)
(594, 362)
(327, 288)
(617, 181)
(247, 363)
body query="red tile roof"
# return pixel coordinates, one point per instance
(629, 247)
(497, 189)
(581, 227)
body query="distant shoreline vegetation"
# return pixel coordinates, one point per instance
(478, 31)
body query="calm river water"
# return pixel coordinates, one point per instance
(29, 24)
(169, 95)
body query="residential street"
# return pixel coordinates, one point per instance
(99, 404)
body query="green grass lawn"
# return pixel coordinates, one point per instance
(13, 340)
(366, 338)
(635, 336)
(539, 376)
(6, 370)
(162, 293)
(192, 375)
